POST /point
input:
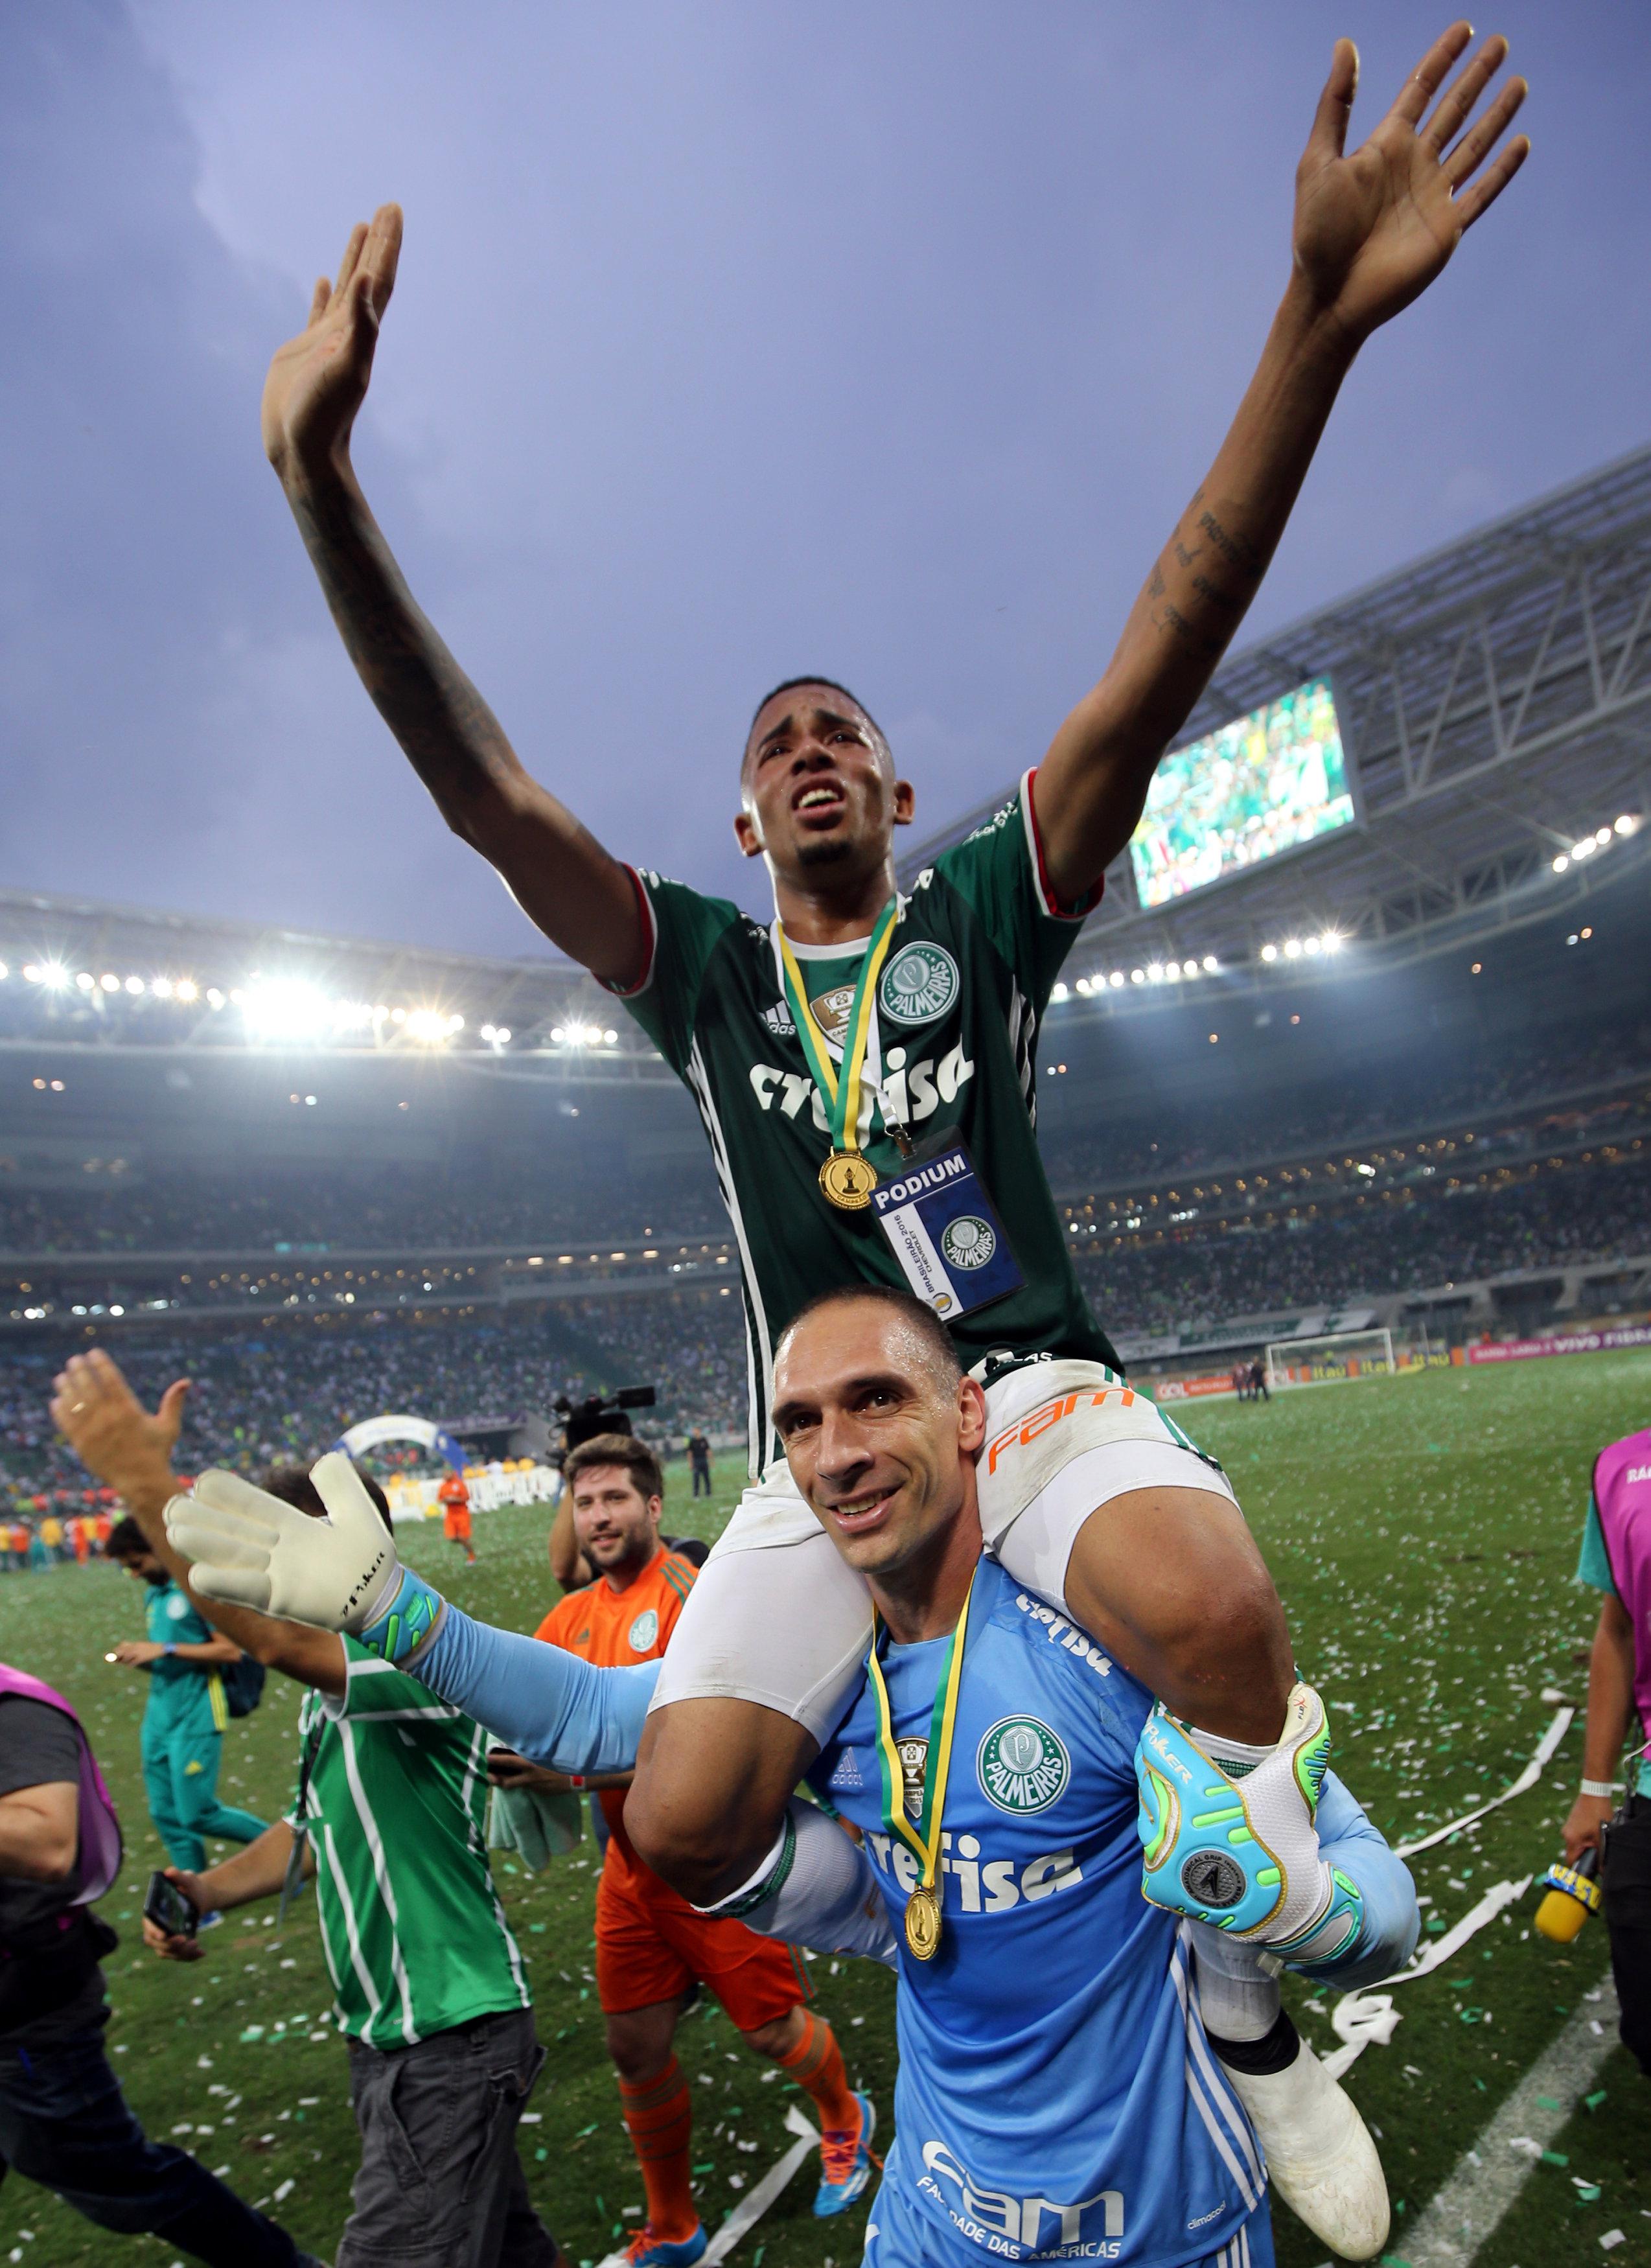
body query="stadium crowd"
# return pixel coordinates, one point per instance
(1194, 1279)
(276, 1389)
(391, 1208)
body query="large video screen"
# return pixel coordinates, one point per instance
(1269, 782)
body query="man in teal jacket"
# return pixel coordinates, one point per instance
(186, 1713)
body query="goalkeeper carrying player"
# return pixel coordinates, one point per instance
(1056, 2091)
(865, 1065)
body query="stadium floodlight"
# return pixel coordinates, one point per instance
(427, 1025)
(4, 971)
(214, 998)
(161, 987)
(1626, 823)
(503, 1035)
(1602, 836)
(1210, 964)
(1584, 849)
(135, 985)
(1084, 986)
(610, 1039)
(1309, 945)
(1332, 941)
(1270, 953)
(1155, 972)
(109, 984)
(1189, 968)
(186, 989)
(85, 981)
(284, 1008)
(455, 1023)
(1561, 863)
(1059, 992)
(1137, 976)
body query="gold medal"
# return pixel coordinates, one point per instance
(921, 1837)
(845, 1179)
(848, 1179)
(922, 1922)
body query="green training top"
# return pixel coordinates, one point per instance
(396, 1796)
(979, 943)
(181, 1693)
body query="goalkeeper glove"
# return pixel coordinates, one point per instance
(341, 1574)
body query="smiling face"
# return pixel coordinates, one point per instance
(617, 1527)
(880, 1440)
(818, 787)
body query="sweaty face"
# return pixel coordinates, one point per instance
(617, 1526)
(818, 786)
(876, 1436)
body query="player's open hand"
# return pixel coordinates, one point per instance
(126, 1447)
(1373, 229)
(319, 380)
(251, 1549)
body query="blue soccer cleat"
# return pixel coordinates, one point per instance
(647, 2250)
(1231, 1841)
(845, 2164)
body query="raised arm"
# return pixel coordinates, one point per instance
(130, 1449)
(1372, 230)
(577, 894)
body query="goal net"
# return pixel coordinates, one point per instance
(1330, 1361)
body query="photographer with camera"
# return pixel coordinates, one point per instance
(389, 1822)
(64, 2121)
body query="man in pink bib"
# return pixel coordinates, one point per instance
(1617, 1560)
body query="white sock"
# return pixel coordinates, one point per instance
(1239, 2000)
(828, 1899)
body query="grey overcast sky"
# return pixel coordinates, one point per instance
(731, 340)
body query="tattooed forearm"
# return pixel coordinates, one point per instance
(1243, 555)
(1205, 589)
(1170, 617)
(448, 731)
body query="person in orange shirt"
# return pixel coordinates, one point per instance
(453, 1496)
(651, 1946)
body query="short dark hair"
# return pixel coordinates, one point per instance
(127, 1540)
(791, 684)
(622, 1450)
(292, 1484)
(893, 1297)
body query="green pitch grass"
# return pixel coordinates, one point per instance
(1423, 1531)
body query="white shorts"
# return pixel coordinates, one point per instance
(778, 1618)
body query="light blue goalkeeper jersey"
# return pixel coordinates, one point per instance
(1057, 2098)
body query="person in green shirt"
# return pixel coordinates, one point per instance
(186, 1716)
(388, 1821)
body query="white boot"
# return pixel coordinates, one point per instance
(1320, 2156)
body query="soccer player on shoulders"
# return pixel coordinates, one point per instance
(651, 1946)
(865, 1065)
(1049, 2104)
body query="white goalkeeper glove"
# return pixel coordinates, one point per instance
(341, 1574)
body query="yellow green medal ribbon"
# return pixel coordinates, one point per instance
(845, 1177)
(922, 1840)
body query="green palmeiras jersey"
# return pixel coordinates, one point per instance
(392, 1793)
(953, 1050)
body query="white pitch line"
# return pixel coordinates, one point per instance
(1489, 2177)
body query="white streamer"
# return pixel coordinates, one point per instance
(1527, 1779)
(750, 2209)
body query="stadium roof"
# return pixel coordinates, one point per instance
(1495, 697)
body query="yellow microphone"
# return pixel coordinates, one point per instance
(1573, 1894)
